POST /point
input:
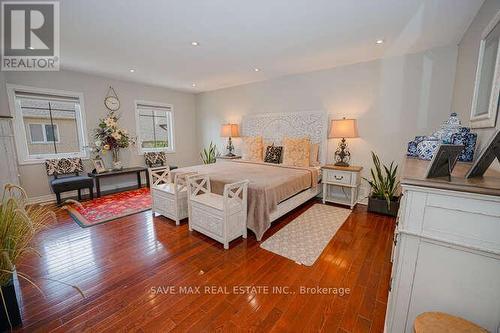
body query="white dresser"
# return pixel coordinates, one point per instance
(446, 254)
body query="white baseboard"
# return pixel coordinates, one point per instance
(51, 198)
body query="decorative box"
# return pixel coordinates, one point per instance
(450, 132)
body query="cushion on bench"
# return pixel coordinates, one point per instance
(71, 183)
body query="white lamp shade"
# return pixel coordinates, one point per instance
(343, 128)
(229, 130)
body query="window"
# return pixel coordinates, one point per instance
(44, 133)
(154, 123)
(47, 124)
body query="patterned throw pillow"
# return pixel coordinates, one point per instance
(63, 166)
(296, 151)
(273, 154)
(251, 148)
(155, 159)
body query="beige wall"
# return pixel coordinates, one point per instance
(94, 89)
(393, 99)
(468, 52)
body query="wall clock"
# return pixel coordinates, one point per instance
(111, 100)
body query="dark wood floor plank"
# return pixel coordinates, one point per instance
(116, 264)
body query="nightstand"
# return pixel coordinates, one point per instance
(224, 158)
(341, 184)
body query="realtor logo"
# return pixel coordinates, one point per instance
(30, 36)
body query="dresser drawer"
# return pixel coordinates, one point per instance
(337, 177)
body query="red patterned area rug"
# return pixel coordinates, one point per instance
(109, 207)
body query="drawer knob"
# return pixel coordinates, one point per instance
(338, 178)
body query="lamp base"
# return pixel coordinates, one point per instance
(230, 148)
(342, 164)
(342, 154)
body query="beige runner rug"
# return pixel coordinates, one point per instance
(304, 239)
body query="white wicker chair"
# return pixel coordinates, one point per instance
(221, 217)
(169, 198)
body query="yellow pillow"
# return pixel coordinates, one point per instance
(297, 151)
(251, 148)
(314, 158)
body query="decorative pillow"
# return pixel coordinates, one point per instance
(63, 166)
(314, 155)
(297, 151)
(273, 154)
(251, 148)
(155, 159)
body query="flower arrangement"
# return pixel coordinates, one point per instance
(109, 137)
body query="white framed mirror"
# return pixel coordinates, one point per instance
(485, 100)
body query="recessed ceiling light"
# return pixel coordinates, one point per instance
(132, 70)
(193, 84)
(379, 41)
(31, 48)
(256, 69)
(195, 43)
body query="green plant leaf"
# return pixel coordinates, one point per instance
(384, 184)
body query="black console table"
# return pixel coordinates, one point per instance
(124, 171)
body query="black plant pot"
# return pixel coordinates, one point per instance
(9, 294)
(377, 205)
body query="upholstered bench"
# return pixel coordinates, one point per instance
(67, 178)
(221, 217)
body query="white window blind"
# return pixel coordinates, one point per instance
(154, 123)
(48, 125)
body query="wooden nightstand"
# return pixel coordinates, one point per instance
(224, 158)
(347, 179)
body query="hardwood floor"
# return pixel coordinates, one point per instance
(125, 268)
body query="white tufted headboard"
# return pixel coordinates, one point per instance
(273, 127)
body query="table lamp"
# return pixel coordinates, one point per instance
(343, 128)
(229, 131)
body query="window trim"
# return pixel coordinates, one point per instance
(44, 133)
(168, 150)
(20, 136)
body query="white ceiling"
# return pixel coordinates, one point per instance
(279, 37)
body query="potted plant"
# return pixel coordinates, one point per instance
(384, 186)
(19, 224)
(209, 154)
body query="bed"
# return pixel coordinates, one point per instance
(274, 189)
